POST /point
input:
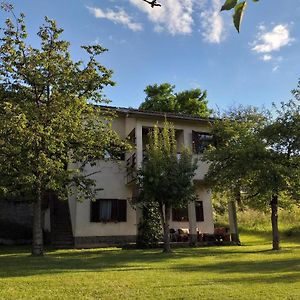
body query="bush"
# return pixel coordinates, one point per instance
(150, 230)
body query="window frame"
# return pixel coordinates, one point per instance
(117, 216)
(199, 211)
(177, 211)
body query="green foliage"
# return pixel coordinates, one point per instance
(48, 130)
(236, 143)
(149, 228)
(163, 98)
(46, 121)
(259, 221)
(238, 14)
(165, 179)
(239, 9)
(257, 154)
(229, 4)
(258, 157)
(159, 98)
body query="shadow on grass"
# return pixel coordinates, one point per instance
(19, 263)
(266, 266)
(250, 280)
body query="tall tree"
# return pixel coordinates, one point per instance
(166, 180)
(159, 98)
(163, 98)
(234, 132)
(251, 156)
(46, 123)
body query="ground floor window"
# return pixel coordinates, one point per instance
(109, 210)
(181, 214)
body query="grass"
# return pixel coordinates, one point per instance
(251, 271)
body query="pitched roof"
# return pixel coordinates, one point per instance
(147, 113)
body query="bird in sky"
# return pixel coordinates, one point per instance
(152, 3)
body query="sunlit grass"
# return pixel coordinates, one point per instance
(251, 271)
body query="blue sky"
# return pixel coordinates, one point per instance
(185, 42)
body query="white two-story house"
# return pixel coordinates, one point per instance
(112, 219)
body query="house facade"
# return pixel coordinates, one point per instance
(112, 219)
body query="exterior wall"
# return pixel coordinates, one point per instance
(202, 167)
(118, 124)
(111, 180)
(207, 226)
(129, 125)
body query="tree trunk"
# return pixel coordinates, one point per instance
(234, 232)
(274, 220)
(37, 236)
(166, 214)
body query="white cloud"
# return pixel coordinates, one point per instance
(177, 17)
(273, 40)
(212, 23)
(266, 57)
(118, 17)
(174, 16)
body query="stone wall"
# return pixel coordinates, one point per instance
(16, 212)
(103, 241)
(15, 220)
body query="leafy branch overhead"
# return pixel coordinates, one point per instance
(239, 8)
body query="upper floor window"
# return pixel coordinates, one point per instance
(201, 140)
(109, 210)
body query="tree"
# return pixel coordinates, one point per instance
(166, 180)
(159, 98)
(234, 132)
(281, 177)
(251, 156)
(48, 130)
(163, 98)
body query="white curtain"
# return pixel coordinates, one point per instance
(105, 210)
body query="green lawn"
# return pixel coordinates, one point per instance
(251, 271)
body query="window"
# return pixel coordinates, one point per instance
(109, 210)
(199, 211)
(201, 140)
(181, 214)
